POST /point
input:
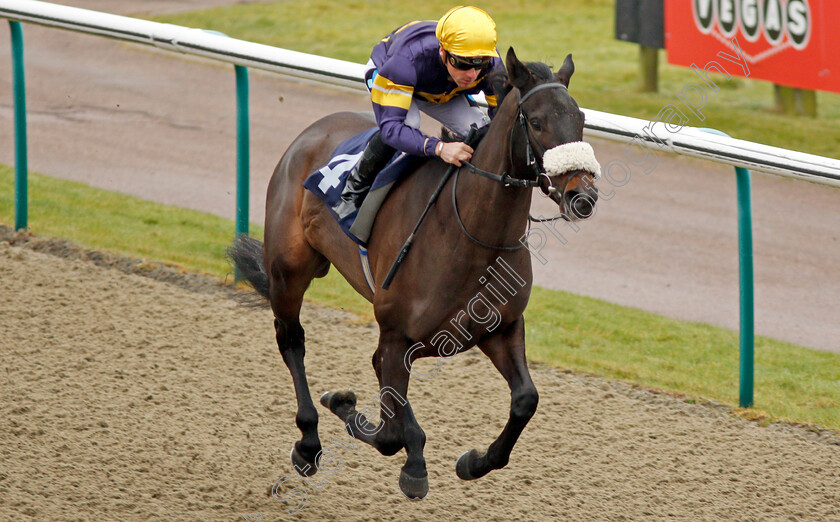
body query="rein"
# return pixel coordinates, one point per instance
(504, 178)
(464, 228)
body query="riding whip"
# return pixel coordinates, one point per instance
(408, 242)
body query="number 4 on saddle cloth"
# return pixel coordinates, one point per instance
(328, 182)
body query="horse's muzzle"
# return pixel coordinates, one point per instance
(576, 197)
(575, 164)
(580, 206)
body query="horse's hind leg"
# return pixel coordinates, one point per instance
(287, 285)
(507, 352)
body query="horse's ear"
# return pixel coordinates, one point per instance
(566, 71)
(519, 75)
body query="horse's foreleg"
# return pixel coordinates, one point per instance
(401, 424)
(397, 427)
(507, 352)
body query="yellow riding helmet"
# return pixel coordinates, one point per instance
(467, 31)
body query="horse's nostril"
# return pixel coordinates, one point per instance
(581, 205)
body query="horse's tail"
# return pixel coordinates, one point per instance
(246, 253)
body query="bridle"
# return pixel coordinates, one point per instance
(504, 179)
(530, 158)
(541, 178)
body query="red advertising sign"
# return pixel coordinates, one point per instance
(789, 42)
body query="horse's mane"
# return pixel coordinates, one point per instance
(501, 83)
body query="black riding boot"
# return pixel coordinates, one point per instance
(375, 156)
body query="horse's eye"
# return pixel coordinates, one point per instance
(535, 124)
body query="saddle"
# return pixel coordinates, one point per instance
(328, 182)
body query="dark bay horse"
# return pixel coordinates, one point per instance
(440, 302)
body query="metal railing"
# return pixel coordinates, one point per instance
(700, 143)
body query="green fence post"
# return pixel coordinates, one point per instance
(243, 161)
(745, 254)
(243, 153)
(745, 260)
(21, 163)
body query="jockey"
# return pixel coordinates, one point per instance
(430, 67)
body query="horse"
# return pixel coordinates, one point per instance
(439, 288)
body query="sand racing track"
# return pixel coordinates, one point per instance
(129, 398)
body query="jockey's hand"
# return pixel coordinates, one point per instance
(454, 152)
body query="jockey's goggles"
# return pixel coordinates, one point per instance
(465, 64)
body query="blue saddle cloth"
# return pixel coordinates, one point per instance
(328, 182)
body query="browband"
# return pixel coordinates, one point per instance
(552, 85)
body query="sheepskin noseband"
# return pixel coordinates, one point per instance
(577, 155)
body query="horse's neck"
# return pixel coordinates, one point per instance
(499, 212)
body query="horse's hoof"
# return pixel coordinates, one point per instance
(414, 488)
(462, 467)
(339, 399)
(301, 465)
(325, 399)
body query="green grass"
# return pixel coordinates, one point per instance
(543, 30)
(123, 225)
(564, 330)
(698, 360)
(187, 239)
